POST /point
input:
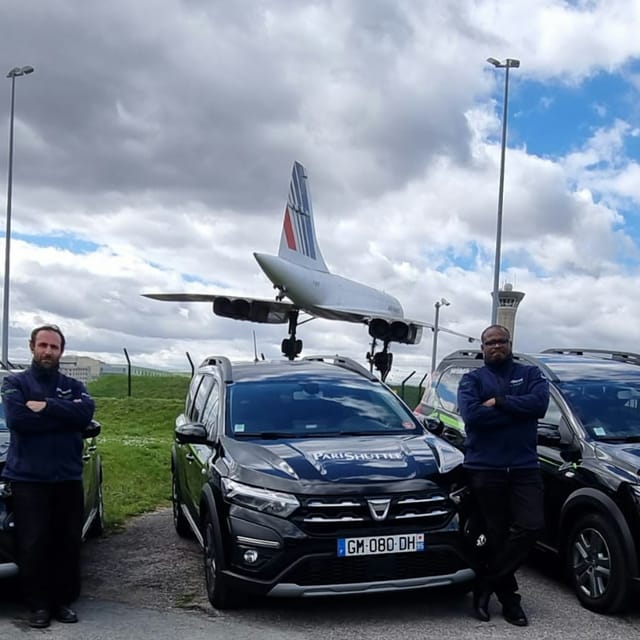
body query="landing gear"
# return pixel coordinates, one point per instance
(291, 347)
(382, 360)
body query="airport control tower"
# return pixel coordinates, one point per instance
(508, 301)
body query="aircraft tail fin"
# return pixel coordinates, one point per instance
(298, 242)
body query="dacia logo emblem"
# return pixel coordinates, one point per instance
(379, 508)
(481, 540)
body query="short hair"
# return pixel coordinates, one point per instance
(47, 327)
(495, 326)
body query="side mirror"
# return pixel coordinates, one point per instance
(434, 425)
(92, 430)
(191, 433)
(454, 436)
(548, 437)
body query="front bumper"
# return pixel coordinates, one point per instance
(286, 561)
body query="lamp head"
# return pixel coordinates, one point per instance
(494, 61)
(20, 71)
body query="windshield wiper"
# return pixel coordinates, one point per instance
(268, 435)
(613, 439)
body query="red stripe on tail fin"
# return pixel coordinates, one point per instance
(288, 231)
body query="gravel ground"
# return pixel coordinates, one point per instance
(146, 564)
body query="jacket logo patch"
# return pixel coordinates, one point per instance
(516, 382)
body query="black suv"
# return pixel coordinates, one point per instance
(589, 452)
(312, 477)
(92, 481)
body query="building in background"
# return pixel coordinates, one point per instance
(86, 369)
(508, 301)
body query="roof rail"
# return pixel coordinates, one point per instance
(345, 363)
(220, 361)
(620, 356)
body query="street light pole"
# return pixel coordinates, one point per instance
(13, 74)
(443, 302)
(509, 63)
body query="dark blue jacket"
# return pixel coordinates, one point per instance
(45, 446)
(503, 436)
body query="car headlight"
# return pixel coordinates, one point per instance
(274, 503)
(447, 455)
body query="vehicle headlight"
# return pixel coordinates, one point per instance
(447, 455)
(274, 503)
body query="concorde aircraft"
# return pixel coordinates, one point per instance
(300, 275)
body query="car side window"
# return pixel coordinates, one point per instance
(447, 388)
(553, 415)
(193, 389)
(201, 398)
(209, 416)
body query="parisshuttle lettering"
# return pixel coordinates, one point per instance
(352, 456)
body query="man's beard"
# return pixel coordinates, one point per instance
(47, 362)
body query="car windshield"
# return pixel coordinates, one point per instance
(316, 407)
(3, 422)
(608, 409)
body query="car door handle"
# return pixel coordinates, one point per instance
(92, 448)
(190, 457)
(86, 457)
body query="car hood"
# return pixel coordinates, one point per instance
(627, 455)
(344, 459)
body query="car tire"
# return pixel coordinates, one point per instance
(219, 592)
(96, 528)
(180, 522)
(596, 564)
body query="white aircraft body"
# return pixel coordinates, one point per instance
(300, 274)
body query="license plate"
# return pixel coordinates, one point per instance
(375, 545)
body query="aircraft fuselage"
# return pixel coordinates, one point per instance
(327, 295)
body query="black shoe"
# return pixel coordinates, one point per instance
(481, 604)
(65, 614)
(514, 614)
(39, 619)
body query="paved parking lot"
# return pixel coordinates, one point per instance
(142, 604)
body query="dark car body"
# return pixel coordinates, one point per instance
(93, 505)
(589, 454)
(313, 478)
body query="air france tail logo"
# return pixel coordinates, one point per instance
(298, 225)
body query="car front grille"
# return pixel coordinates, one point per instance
(336, 515)
(322, 570)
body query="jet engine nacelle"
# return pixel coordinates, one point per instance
(395, 331)
(251, 310)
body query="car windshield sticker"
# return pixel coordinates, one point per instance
(599, 431)
(408, 425)
(238, 428)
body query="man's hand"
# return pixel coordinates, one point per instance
(36, 405)
(491, 402)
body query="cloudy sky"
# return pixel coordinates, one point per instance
(155, 139)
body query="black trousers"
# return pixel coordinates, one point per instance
(510, 504)
(48, 519)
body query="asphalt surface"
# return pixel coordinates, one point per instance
(146, 584)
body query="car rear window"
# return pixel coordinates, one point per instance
(315, 407)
